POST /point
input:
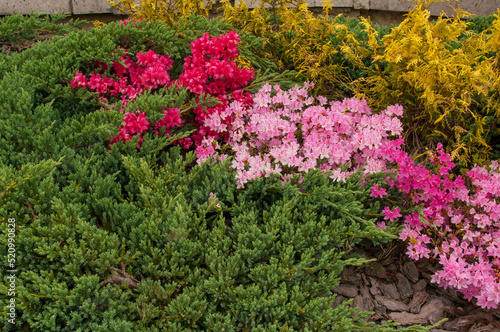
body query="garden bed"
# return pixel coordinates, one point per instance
(187, 176)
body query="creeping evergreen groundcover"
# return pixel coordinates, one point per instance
(116, 238)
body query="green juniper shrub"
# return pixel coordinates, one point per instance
(168, 256)
(18, 28)
(479, 24)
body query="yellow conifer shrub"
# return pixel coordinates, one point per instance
(296, 38)
(169, 11)
(442, 74)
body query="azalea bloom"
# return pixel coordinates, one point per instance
(376, 192)
(391, 215)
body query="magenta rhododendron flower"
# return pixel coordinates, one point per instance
(464, 220)
(391, 215)
(376, 192)
(147, 59)
(171, 119)
(210, 68)
(135, 124)
(132, 78)
(80, 81)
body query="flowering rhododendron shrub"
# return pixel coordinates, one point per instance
(286, 132)
(457, 224)
(210, 70)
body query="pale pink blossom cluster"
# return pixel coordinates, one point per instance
(464, 223)
(286, 132)
(209, 70)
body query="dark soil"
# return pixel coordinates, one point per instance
(10, 48)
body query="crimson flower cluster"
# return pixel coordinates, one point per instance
(209, 70)
(131, 78)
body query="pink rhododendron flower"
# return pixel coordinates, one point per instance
(209, 69)
(147, 59)
(376, 192)
(135, 124)
(391, 215)
(171, 119)
(79, 81)
(464, 220)
(327, 139)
